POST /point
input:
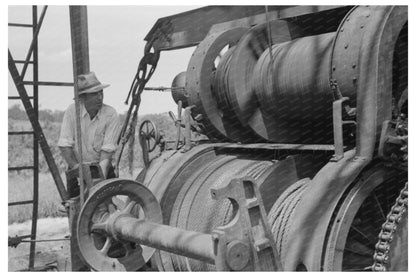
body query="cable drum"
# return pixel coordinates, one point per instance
(279, 216)
(188, 188)
(195, 210)
(292, 86)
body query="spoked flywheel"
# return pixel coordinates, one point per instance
(99, 247)
(357, 223)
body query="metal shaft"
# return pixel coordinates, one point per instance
(178, 241)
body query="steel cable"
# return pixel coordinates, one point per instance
(280, 214)
(198, 212)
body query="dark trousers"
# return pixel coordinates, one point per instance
(72, 181)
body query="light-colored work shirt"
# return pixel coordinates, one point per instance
(97, 134)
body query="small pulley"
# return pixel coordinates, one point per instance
(100, 244)
(149, 133)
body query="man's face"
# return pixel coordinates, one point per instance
(93, 101)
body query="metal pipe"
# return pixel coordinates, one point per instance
(59, 84)
(20, 203)
(35, 75)
(188, 134)
(32, 45)
(178, 241)
(20, 25)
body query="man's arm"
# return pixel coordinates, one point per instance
(67, 138)
(109, 144)
(105, 161)
(69, 156)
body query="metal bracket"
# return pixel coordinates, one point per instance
(188, 133)
(393, 147)
(246, 242)
(337, 110)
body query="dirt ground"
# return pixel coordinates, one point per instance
(56, 253)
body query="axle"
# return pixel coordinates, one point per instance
(191, 244)
(120, 227)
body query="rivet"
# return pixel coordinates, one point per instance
(342, 29)
(354, 65)
(348, 19)
(362, 26)
(333, 68)
(354, 79)
(346, 46)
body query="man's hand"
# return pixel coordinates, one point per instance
(105, 166)
(69, 156)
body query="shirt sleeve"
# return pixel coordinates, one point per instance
(67, 135)
(111, 133)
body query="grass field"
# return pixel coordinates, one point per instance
(21, 188)
(20, 153)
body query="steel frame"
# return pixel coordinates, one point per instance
(38, 136)
(175, 32)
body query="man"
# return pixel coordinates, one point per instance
(99, 130)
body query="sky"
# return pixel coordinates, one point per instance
(116, 45)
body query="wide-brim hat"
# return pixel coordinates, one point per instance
(88, 83)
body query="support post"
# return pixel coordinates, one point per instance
(81, 65)
(35, 141)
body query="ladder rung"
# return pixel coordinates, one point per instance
(59, 84)
(22, 133)
(24, 236)
(21, 61)
(21, 168)
(18, 97)
(21, 203)
(20, 25)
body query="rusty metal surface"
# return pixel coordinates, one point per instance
(345, 51)
(374, 95)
